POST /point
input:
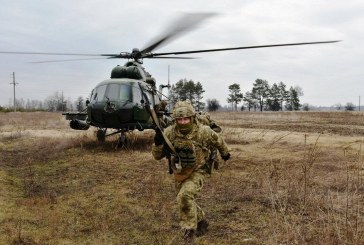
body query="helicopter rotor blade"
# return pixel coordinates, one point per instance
(122, 55)
(126, 55)
(51, 61)
(236, 48)
(183, 24)
(45, 53)
(166, 57)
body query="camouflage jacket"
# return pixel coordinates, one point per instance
(202, 138)
(205, 119)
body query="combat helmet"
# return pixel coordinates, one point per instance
(183, 109)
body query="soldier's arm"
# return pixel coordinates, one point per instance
(158, 149)
(217, 141)
(158, 152)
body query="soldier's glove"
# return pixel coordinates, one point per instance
(225, 157)
(158, 137)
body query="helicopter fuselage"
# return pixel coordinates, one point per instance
(119, 102)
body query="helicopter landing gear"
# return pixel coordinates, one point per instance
(123, 140)
(101, 135)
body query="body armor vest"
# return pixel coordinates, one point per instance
(186, 152)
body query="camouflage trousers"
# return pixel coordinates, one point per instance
(190, 213)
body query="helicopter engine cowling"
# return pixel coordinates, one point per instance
(79, 124)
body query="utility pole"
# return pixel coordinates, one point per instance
(14, 84)
(359, 102)
(62, 100)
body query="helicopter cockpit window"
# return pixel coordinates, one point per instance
(125, 92)
(137, 94)
(118, 92)
(113, 91)
(92, 94)
(98, 93)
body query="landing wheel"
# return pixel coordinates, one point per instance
(100, 134)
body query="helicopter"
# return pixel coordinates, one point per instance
(129, 99)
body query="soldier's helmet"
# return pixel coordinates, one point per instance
(183, 109)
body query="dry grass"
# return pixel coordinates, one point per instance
(342, 123)
(290, 181)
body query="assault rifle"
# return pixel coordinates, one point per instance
(168, 147)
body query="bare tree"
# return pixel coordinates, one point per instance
(80, 104)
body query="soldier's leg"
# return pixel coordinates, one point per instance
(190, 213)
(214, 158)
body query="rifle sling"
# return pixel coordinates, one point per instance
(156, 121)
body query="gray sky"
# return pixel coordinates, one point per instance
(327, 73)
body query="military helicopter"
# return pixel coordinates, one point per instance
(129, 100)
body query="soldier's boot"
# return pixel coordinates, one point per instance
(202, 228)
(189, 237)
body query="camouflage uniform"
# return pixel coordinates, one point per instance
(213, 161)
(204, 118)
(193, 149)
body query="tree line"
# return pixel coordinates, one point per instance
(266, 97)
(53, 103)
(262, 96)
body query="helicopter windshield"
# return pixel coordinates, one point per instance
(118, 92)
(99, 93)
(113, 91)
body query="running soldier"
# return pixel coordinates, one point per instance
(187, 145)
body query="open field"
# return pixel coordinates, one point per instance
(294, 178)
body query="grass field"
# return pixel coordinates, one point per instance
(294, 178)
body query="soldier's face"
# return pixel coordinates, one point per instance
(183, 120)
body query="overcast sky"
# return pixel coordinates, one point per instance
(327, 73)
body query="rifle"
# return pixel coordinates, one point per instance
(170, 150)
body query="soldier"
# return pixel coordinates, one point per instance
(191, 142)
(204, 118)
